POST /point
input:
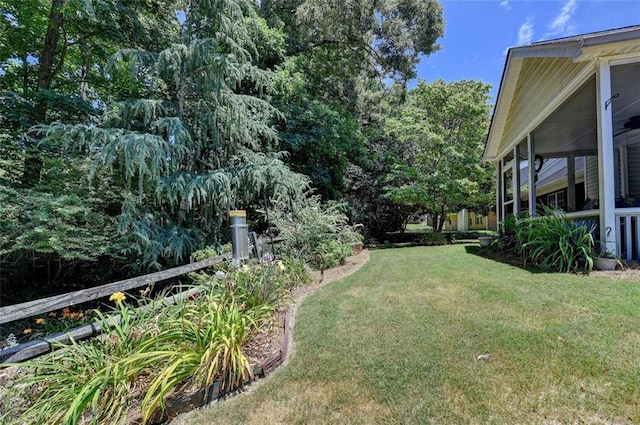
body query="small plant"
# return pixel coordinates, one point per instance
(435, 239)
(506, 240)
(554, 242)
(604, 258)
(52, 323)
(330, 253)
(211, 251)
(296, 272)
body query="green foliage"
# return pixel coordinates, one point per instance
(442, 130)
(507, 240)
(330, 253)
(296, 272)
(200, 341)
(309, 228)
(183, 132)
(84, 378)
(434, 239)
(354, 35)
(147, 353)
(554, 242)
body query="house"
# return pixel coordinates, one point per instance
(565, 132)
(465, 220)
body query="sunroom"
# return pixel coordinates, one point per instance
(565, 133)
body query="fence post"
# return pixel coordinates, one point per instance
(255, 242)
(239, 234)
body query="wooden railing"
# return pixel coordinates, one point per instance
(32, 308)
(38, 347)
(627, 230)
(28, 309)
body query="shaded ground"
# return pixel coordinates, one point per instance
(631, 270)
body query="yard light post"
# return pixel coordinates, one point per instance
(239, 234)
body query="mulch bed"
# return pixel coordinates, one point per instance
(631, 270)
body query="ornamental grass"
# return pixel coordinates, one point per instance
(146, 354)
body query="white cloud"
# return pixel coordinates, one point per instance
(563, 24)
(505, 4)
(525, 33)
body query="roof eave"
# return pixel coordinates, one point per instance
(509, 80)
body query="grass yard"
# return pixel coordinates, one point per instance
(399, 341)
(417, 228)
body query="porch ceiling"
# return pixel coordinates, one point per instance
(550, 88)
(573, 126)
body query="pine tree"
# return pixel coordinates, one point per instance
(192, 140)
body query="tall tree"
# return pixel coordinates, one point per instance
(442, 128)
(385, 36)
(52, 52)
(322, 139)
(192, 140)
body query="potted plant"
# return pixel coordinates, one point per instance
(485, 241)
(603, 259)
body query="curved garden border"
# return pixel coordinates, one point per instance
(212, 393)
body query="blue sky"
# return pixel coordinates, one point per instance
(479, 32)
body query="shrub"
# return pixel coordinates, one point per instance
(330, 253)
(554, 242)
(435, 238)
(507, 240)
(309, 228)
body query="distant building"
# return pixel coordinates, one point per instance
(465, 220)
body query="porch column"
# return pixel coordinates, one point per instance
(531, 153)
(517, 199)
(571, 183)
(499, 206)
(606, 162)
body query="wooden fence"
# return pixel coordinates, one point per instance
(28, 309)
(32, 308)
(36, 348)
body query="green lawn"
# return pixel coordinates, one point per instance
(417, 228)
(398, 342)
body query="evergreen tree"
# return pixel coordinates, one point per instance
(192, 140)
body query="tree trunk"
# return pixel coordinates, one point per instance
(441, 218)
(33, 162)
(25, 76)
(84, 72)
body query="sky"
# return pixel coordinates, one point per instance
(478, 33)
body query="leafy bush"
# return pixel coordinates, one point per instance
(507, 240)
(554, 242)
(310, 228)
(330, 253)
(150, 352)
(435, 238)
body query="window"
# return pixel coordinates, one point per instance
(556, 200)
(479, 219)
